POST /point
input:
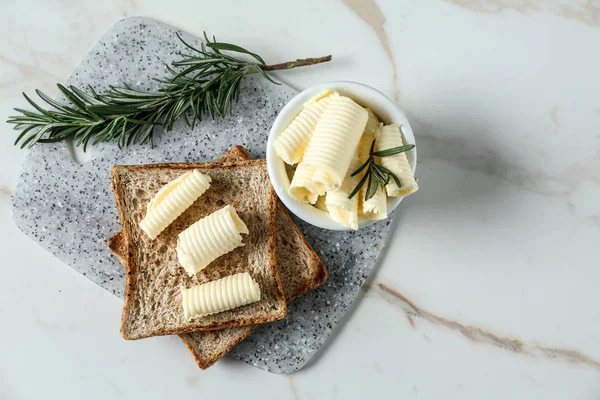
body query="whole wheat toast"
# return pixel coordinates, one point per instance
(299, 266)
(153, 274)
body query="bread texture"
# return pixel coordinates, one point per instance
(299, 266)
(153, 274)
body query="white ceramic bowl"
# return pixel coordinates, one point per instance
(364, 95)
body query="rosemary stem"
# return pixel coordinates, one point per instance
(301, 62)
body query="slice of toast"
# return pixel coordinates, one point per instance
(299, 266)
(153, 274)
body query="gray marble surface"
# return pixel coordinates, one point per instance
(68, 207)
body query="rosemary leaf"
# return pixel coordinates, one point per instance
(394, 150)
(264, 75)
(369, 187)
(25, 132)
(396, 180)
(233, 47)
(357, 188)
(379, 174)
(359, 170)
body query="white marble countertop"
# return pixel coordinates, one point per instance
(488, 289)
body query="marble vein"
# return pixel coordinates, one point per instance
(587, 12)
(293, 389)
(478, 335)
(496, 6)
(27, 72)
(369, 12)
(5, 192)
(554, 118)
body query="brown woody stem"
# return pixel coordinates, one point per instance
(298, 63)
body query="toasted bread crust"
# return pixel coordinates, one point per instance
(320, 272)
(116, 245)
(205, 362)
(125, 256)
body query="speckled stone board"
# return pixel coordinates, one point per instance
(68, 207)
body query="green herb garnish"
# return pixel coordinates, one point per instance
(202, 82)
(376, 175)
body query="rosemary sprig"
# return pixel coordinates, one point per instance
(202, 82)
(377, 175)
